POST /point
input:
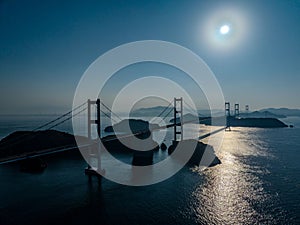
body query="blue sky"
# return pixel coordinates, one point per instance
(45, 46)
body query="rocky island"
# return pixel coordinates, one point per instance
(234, 121)
(130, 126)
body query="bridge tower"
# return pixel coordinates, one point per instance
(94, 148)
(178, 113)
(247, 108)
(227, 115)
(236, 110)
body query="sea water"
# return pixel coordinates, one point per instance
(257, 182)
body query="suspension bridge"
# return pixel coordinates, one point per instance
(176, 106)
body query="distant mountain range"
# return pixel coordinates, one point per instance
(263, 113)
(283, 111)
(157, 110)
(152, 111)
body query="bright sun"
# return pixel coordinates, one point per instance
(224, 29)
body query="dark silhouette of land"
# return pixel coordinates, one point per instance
(27, 144)
(131, 125)
(234, 121)
(30, 142)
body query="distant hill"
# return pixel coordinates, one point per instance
(186, 118)
(283, 111)
(131, 125)
(155, 111)
(152, 111)
(261, 114)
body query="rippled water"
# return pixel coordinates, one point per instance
(236, 192)
(258, 182)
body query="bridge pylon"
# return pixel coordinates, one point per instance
(178, 125)
(236, 110)
(94, 148)
(227, 115)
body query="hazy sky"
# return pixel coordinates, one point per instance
(45, 46)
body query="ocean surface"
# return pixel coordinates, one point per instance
(258, 182)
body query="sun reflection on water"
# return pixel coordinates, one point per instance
(232, 192)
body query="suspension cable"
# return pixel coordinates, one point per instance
(60, 117)
(170, 103)
(108, 116)
(70, 117)
(167, 114)
(42, 126)
(189, 106)
(111, 111)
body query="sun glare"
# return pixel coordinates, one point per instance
(224, 29)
